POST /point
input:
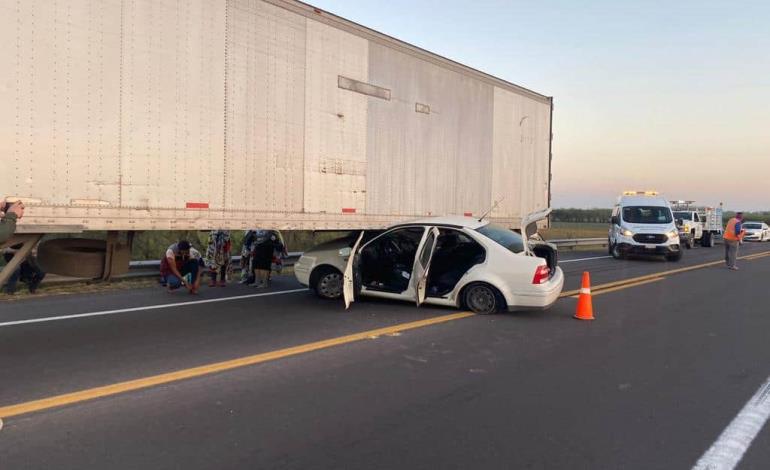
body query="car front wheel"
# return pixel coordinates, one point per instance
(483, 299)
(328, 284)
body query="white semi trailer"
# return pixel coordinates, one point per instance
(132, 115)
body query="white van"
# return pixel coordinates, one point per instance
(642, 224)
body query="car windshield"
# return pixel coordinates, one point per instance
(647, 215)
(752, 226)
(509, 239)
(683, 215)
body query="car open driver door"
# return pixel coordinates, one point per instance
(348, 281)
(422, 265)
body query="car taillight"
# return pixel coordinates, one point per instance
(542, 273)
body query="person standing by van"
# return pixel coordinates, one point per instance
(734, 234)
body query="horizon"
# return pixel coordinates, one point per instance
(666, 97)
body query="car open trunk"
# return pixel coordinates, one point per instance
(536, 247)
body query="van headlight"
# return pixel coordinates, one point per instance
(673, 234)
(627, 233)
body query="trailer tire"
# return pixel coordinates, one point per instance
(74, 257)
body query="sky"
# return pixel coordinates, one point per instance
(648, 95)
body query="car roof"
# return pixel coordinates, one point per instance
(449, 221)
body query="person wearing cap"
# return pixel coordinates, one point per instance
(9, 214)
(733, 237)
(181, 267)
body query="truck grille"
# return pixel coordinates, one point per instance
(650, 238)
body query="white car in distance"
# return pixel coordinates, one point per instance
(459, 262)
(756, 232)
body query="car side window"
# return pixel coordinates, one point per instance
(426, 249)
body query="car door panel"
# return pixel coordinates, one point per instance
(422, 264)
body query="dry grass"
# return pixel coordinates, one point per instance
(567, 230)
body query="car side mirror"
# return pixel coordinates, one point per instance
(615, 220)
(345, 252)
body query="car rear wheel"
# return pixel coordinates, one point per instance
(483, 299)
(328, 283)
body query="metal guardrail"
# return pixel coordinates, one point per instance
(293, 256)
(576, 242)
(290, 259)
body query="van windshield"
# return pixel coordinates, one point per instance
(647, 215)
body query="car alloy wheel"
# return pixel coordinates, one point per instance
(482, 299)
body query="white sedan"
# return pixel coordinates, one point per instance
(756, 231)
(459, 262)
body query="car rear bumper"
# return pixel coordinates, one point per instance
(540, 297)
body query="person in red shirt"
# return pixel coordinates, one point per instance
(181, 267)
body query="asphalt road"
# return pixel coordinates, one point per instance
(650, 384)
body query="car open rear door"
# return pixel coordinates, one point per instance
(422, 265)
(529, 225)
(348, 281)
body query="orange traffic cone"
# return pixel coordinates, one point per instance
(585, 310)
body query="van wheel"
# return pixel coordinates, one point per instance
(616, 252)
(327, 283)
(483, 299)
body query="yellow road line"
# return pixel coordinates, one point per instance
(694, 267)
(624, 286)
(122, 387)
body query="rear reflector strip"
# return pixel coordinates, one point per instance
(197, 205)
(468, 214)
(348, 210)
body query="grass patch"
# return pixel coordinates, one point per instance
(569, 230)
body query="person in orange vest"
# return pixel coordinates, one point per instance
(734, 233)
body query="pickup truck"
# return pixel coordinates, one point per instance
(698, 224)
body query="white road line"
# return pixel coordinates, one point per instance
(583, 259)
(735, 440)
(146, 307)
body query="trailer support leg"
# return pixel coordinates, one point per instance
(109, 255)
(28, 242)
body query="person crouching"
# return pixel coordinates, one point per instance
(181, 267)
